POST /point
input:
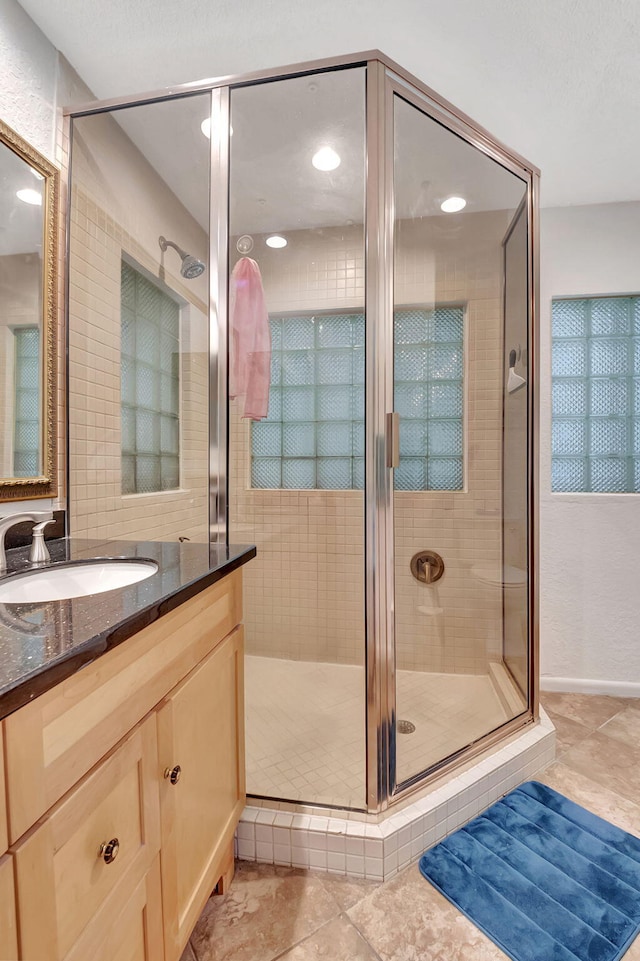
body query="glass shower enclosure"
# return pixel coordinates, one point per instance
(390, 614)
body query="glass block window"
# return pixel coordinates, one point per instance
(313, 436)
(596, 395)
(428, 395)
(150, 385)
(26, 437)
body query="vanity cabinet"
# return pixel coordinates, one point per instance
(125, 783)
(3, 809)
(8, 923)
(201, 754)
(104, 835)
(128, 928)
(52, 742)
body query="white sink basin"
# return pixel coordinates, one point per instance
(78, 579)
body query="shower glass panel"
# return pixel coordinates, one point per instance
(296, 477)
(138, 322)
(515, 369)
(460, 489)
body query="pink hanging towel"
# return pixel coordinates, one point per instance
(250, 340)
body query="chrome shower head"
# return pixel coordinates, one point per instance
(191, 266)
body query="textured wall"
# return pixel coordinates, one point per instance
(28, 73)
(35, 82)
(589, 543)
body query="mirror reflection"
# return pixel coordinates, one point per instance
(27, 189)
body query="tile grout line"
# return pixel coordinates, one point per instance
(341, 915)
(361, 933)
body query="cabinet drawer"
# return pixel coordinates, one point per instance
(53, 742)
(8, 927)
(62, 877)
(128, 927)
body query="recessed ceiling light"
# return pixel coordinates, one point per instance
(453, 204)
(29, 196)
(326, 159)
(276, 241)
(205, 126)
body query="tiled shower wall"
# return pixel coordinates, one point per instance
(304, 593)
(120, 205)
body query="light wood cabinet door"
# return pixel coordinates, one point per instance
(201, 730)
(128, 928)
(3, 808)
(63, 874)
(56, 739)
(8, 926)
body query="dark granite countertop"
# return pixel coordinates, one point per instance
(41, 644)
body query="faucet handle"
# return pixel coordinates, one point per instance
(37, 528)
(39, 553)
(424, 569)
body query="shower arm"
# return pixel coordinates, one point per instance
(164, 243)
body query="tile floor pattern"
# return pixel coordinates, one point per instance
(305, 736)
(295, 915)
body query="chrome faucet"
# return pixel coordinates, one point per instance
(38, 517)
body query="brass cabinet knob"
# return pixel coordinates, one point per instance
(173, 773)
(109, 850)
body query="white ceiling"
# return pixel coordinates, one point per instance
(278, 127)
(557, 80)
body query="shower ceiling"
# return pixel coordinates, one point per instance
(283, 125)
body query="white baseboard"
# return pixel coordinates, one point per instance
(585, 685)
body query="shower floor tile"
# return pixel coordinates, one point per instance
(305, 726)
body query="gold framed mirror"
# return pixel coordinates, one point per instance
(29, 186)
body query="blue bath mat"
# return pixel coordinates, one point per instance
(545, 879)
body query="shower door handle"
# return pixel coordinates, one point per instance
(393, 439)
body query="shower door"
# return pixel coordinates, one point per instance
(296, 476)
(460, 511)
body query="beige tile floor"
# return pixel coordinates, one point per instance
(293, 915)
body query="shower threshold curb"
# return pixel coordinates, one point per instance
(377, 849)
